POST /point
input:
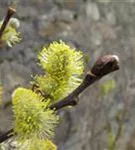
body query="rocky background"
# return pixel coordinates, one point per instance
(97, 27)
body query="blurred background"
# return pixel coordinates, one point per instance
(104, 119)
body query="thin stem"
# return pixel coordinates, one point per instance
(6, 135)
(9, 14)
(72, 99)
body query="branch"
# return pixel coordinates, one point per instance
(6, 135)
(9, 14)
(102, 67)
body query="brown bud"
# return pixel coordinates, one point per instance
(105, 65)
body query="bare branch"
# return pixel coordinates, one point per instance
(102, 67)
(6, 135)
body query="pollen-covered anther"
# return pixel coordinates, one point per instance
(32, 116)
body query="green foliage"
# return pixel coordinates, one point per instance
(107, 87)
(63, 68)
(33, 120)
(11, 35)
